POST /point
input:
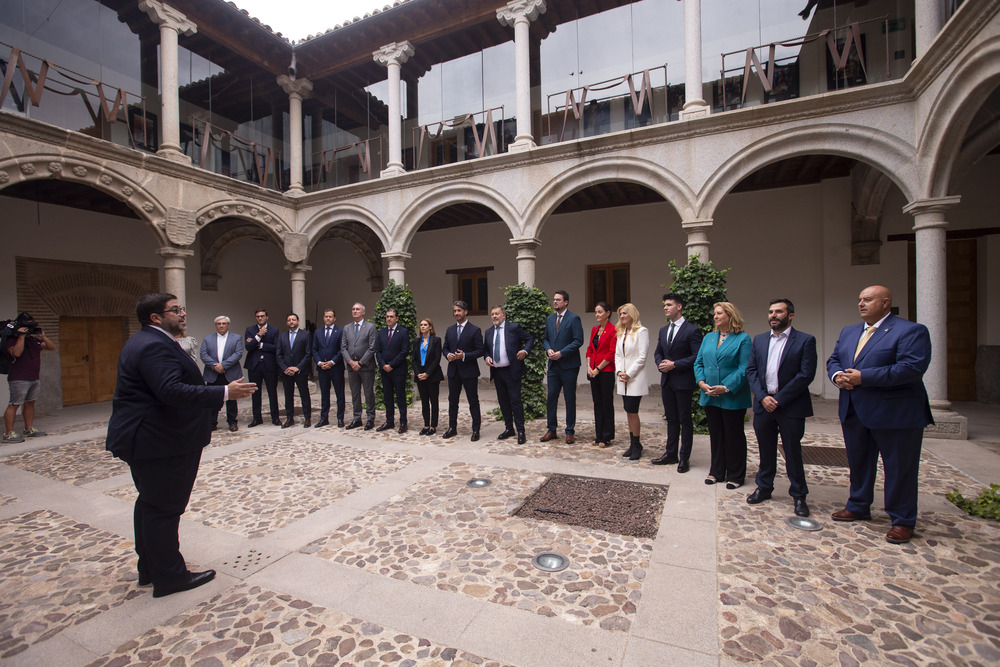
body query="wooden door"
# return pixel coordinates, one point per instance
(88, 350)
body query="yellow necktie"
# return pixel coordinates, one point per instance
(864, 339)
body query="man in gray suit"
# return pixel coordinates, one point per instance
(358, 349)
(221, 353)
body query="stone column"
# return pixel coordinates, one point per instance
(175, 270)
(392, 56)
(697, 233)
(928, 21)
(694, 105)
(172, 23)
(520, 13)
(526, 259)
(298, 271)
(298, 90)
(397, 265)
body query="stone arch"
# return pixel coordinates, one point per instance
(627, 169)
(218, 237)
(438, 198)
(975, 77)
(886, 153)
(77, 169)
(316, 226)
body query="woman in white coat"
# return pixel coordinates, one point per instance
(630, 362)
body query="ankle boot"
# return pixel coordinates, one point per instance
(636, 449)
(632, 441)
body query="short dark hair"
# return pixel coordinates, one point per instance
(675, 297)
(564, 293)
(292, 315)
(259, 310)
(151, 303)
(393, 311)
(498, 307)
(461, 304)
(329, 310)
(788, 304)
(602, 304)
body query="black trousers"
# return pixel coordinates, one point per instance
(231, 406)
(334, 376)
(290, 382)
(729, 443)
(471, 385)
(429, 401)
(509, 395)
(394, 395)
(677, 406)
(767, 426)
(164, 487)
(602, 389)
(270, 380)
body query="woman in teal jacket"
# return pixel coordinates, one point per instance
(721, 372)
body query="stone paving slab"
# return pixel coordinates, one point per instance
(76, 463)
(583, 450)
(261, 489)
(7, 500)
(249, 625)
(58, 572)
(444, 535)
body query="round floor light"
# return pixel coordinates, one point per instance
(478, 482)
(550, 561)
(803, 523)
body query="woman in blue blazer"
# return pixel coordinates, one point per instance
(721, 372)
(427, 373)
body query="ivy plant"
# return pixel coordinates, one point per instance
(400, 298)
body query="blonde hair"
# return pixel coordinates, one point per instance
(633, 312)
(735, 319)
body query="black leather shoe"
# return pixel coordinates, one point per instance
(424, 430)
(508, 432)
(521, 438)
(354, 424)
(322, 422)
(276, 422)
(431, 431)
(385, 427)
(801, 509)
(475, 436)
(683, 465)
(369, 425)
(288, 423)
(665, 460)
(340, 423)
(145, 579)
(403, 428)
(759, 495)
(191, 580)
(450, 433)
(255, 422)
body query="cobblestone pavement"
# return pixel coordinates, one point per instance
(349, 518)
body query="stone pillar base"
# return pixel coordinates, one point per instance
(391, 171)
(695, 111)
(948, 425)
(521, 146)
(294, 191)
(173, 154)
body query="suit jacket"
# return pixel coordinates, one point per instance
(471, 343)
(568, 340)
(324, 350)
(360, 348)
(796, 369)
(299, 355)
(683, 350)
(630, 357)
(605, 350)
(392, 352)
(725, 364)
(433, 365)
(263, 352)
(232, 354)
(161, 406)
(892, 365)
(515, 339)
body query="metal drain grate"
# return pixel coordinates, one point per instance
(247, 562)
(625, 508)
(823, 456)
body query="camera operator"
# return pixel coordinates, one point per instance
(24, 355)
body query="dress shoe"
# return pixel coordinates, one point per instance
(255, 422)
(521, 438)
(321, 423)
(844, 515)
(431, 431)
(354, 424)
(340, 423)
(801, 508)
(549, 435)
(215, 427)
(759, 495)
(450, 433)
(189, 581)
(733, 485)
(570, 439)
(276, 422)
(475, 436)
(307, 422)
(370, 424)
(710, 480)
(403, 428)
(385, 427)
(507, 432)
(424, 431)
(145, 579)
(683, 466)
(664, 460)
(233, 428)
(899, 534)
(288, 423)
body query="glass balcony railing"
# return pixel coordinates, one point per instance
(465, 137)
(351, 163)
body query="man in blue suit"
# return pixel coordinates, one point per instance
(294, 356)
(261, 344)
(391, 347)
(221, 353)
(329, 361)
(563, 338)
(782, 365)
(676, 349)
(879, 367)
(507, 346)
(463, 345)
(160, 421)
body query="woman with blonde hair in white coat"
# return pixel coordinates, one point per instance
(630, 362)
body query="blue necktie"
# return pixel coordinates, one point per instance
(496, 345)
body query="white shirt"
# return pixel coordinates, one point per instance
(221, 346)
(775, 347)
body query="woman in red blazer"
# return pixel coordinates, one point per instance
(601, 371)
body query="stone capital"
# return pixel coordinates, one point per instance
(395, 53)
(520, 10)
(529, 243)
(930, 213)
(298, 268)
(165, 15)
(170, 252)
(703, 225)
(292, 87)
(396, 256)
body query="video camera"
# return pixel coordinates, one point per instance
(24, 320)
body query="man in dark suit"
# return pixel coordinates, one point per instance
(676, 349)
(294, 355)
(563, 338)
(261, 344)
(160, 420)
(879, 367)
(507, 346)
(782, 364)
(326, 352)
(221, 353)
(463, 345)
(391, 347)
(357, 346)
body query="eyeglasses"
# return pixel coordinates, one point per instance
(176, 310)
